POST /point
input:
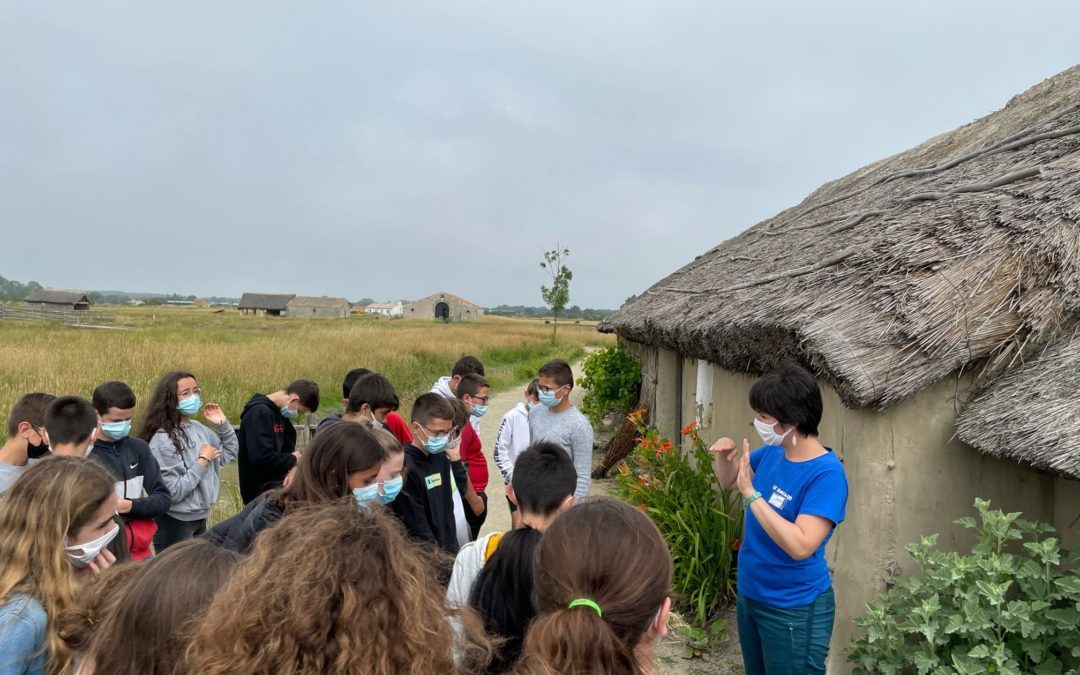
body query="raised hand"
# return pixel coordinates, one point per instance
(212, 413)
(745, 479)
(99, 564)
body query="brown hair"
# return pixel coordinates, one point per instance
(323, 472)
(93, 602)
(53, 499)
(627, 573)
(149, 628)
(30, 409)
(336, 589)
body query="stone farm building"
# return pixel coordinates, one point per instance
(56, 298)
(936, 295)
(322, 306)
(265, 303)
(446, 306)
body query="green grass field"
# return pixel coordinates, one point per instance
(234, 356)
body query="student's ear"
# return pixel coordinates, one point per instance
(660, 628)
(510, 495)
(345, 402)
(24, 428)
(567, 503)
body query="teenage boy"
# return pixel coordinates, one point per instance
(447, 385)
(70, 426)
(425, 505)
(394, 423)
(25, 437)
(542, 487)
(512, 440)
(556, 420)
(473, 391)
(143, 495)
(268, 438)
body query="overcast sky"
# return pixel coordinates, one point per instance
(394, 149)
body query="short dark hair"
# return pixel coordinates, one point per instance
(350, 379)
(70, 419)
(471, 384)
(114, 394)
(544, 476)
(375, 390)
(791, 395)
(534, 388)
(432, 407)
(461, 415)
(29, 408)
(308, 392)
(559, 371)
(466, 365)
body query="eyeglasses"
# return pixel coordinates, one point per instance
(438, 436)
(548, 390)
(482, 399)
(185, 393)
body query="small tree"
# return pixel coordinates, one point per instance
(558, 294)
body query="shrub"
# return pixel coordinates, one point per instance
(612, 380)
(700, 522)
(1010, 606)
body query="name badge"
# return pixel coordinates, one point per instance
(433, 481)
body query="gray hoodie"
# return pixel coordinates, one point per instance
(194, 487)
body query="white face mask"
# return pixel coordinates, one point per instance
(82, 555)
(768, 434)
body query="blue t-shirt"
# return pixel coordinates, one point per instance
(816, 487)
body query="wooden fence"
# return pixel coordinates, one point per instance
(67, 317)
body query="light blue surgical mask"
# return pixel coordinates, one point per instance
(116, 430)
(190, 405)
(391, 489)
(479, 410)
(436, 445)
(549, 399)
(289, 414)
(363, 495)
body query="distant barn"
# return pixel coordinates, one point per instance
(267, 304)
(56, 298)
(445, 306)
(323, 306)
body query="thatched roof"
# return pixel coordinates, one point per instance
(265, 301)
(322, 302)
(1034, 406)
(960, 255)
(58, 296)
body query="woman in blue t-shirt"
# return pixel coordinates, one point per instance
(795, 493)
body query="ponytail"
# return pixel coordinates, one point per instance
(576, 642)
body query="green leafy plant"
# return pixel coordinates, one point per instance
(700, 522)
(558, 294)
(1010, 606)
(612, 381)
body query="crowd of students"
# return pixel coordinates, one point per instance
(362, 553)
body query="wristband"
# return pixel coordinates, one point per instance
(751, 499)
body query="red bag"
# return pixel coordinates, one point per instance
(140, 535)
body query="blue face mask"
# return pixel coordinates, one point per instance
(391, 488)
(116, 430)
(363, 495)
(436, 445)
(548, 398)
(190, 405)
(289, 414)
(479, 410)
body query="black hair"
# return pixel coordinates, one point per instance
(791, 395)
(30, 408)
(544, 476)
(534, 388)
(161, 413)
(559, 371)
(308, 392)
(70, 419)
(113, 394)
(502, 594)
(375, 390)
(470, 385)
(466, 365)
(350, 379)
(431, 407)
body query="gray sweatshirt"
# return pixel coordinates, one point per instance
(194, 487)
(571, 431)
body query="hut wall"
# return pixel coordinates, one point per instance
(907, 477)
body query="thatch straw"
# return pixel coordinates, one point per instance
(960, 254)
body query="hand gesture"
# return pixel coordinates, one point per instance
(724, 447)
(288, 478)
(212, 413)
(210, 452)
(99, 564)
(746, 474)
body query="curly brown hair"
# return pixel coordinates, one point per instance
(336, 589)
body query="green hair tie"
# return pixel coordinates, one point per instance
(585, 602)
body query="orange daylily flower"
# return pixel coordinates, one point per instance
(689, 429)
(641, 507)
(665, 446)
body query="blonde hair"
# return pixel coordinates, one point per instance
(51, 500)
(389, 442)
(335, 589)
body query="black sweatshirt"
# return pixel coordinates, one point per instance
(426, 505)
(130, 461)
(267, 441)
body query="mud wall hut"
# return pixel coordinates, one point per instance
(936, 295)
